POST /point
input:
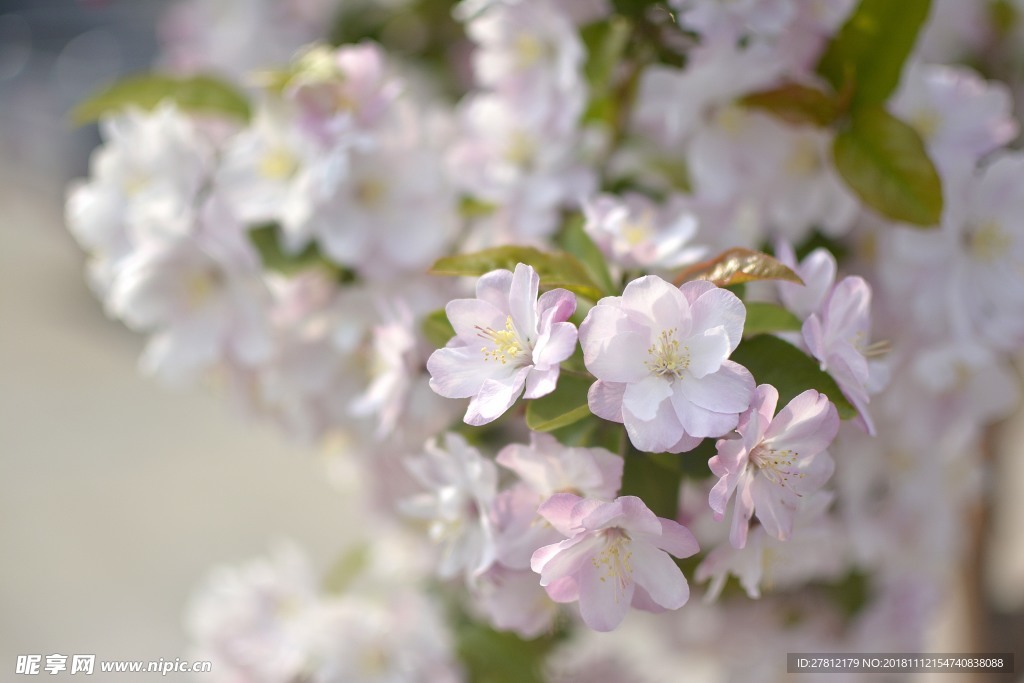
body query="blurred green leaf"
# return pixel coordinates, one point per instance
(736, 266)
(437, 328)
(851, 593)
(266, 240)
(500, 657)
(788, 369)
(885, 163)
(654, 478)
(556, 269)
(763, 317)
(200, 94)
(606, 43)
(868, 52)
(795, 103)
(563, 406)
(575, 240)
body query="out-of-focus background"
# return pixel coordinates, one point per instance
(116, 494)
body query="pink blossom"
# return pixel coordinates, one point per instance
(507, 340)
(817, 270)
(514, 601)
(460, 487)
(776, 460)
(616, 555)
(659, 354)
(634, 232)
(838, 337)
(546, 467)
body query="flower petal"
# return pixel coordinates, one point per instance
(659, 575)
(729, 390)
(522, 301)
(644, 397)
(494, 288)
(605, 400)
(459, 372)
(697, 421)
(496, 395)
(707, 352)
(719, 307)
(555, 345)
(604, 599)
(469, 316)
(807, 425)
(614, 346)
(656, 435)
(658, 304)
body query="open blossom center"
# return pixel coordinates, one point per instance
(615, 560)
(989, 242)
(278, 164)
(778, 466)
(666, 356)
(639, 231)
(506, 346)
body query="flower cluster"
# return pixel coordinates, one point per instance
(623, 395)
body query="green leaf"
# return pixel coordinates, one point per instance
(736, 266)
(575, 240)
(556, 269)
(200, 94)
(764, 317)
(884, 162)
(606, 41)
(563, 406)
(790, 370)
(437, 328)
(867, 54)
(267, 242)
(580, 433)
(498, 657)
(655, 478)
(795, 103)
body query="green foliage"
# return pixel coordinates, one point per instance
(763, 317)
(563, 406)
(575, 240)
(606, 43)
(656, 477)
(267, 242)
(797, 104)
(851, 593)
(866, 57)
(556, 269)
(884, 161)
(437, 328)
(791, 371)
(199, 94)
(498, 657)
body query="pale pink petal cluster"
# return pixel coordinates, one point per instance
(460, 488)
(546, 467)
(773, 462)
(508, 342)
(615, 555)
(660, 355)
(839, 337)
(635, 232)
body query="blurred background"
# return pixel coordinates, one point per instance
(117, 495)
